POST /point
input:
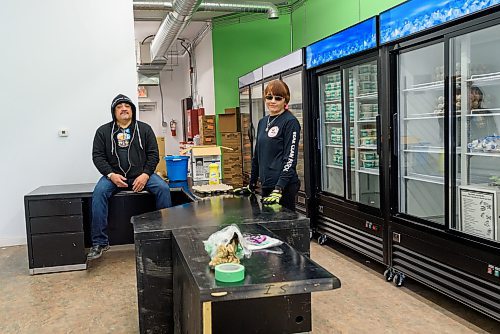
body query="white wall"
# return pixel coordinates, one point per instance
(176, 86)
(205, 72)
(62, 62)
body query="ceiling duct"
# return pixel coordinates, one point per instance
(229, 7)
(183, 10)
(172, 25)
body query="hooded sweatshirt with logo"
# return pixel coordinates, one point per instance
(143, 153)
(275, 158)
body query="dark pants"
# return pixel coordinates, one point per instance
(289, 195)
(104, 189)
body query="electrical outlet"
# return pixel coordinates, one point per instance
(63, 133)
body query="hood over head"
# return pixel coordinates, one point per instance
(120, 98)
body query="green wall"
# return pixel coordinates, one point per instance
(240, 47)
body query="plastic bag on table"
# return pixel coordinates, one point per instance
(224, 237)
(261, 241)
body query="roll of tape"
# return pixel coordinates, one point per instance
(229, 272)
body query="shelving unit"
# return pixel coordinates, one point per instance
(359, 114)
(363, 92)
(421, 119)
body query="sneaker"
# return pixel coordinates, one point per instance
(96, 251)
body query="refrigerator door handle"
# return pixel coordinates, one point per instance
(395, 131)
(251, 132)
(317, 132)
(379, 134)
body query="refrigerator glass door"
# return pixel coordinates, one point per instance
(421, 133)
(475, 110)
(363, 110)
(331, 133)
(257, 108)
(294, 83)
(246, 123)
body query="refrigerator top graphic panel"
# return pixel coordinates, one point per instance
(283, 64)
(415, 16)
(250, 78)
(355, 39)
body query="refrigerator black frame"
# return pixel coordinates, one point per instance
(246, 177)
(356, 225)
(305, 136)
(314, 74)
(450, 261)
(442, 35)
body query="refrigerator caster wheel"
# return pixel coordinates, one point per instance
(322, 239)
(399, 279)
(389, 274)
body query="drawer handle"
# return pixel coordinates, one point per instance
(74, 245)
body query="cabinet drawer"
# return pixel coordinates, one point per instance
(57, 249)
(56, 224)
(55, 207)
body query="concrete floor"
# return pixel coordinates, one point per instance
(103, 299)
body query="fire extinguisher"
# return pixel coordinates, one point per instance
(173, 128)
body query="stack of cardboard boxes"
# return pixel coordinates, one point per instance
(229, 128)
(207, 130)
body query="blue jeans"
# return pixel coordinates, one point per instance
(104, 189)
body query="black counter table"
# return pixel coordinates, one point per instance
(153, 243)
(58, 223)
(254, 305)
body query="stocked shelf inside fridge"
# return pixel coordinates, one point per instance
(424, 149)
(428, 86)
(372, 171)
(335, 166)
(423, 116)
(425, 178)
(481, 154)
(367, 147)
(368, 96)
(491, 112)
(485, 78)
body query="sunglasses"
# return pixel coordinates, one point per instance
(276, 98)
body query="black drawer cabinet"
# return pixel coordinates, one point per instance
(55, 207)
(54, 228)
(55, 235)
(58, 249)
(56, 224)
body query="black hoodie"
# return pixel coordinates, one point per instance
(142, 151)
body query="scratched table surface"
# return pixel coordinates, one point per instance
(277, 271)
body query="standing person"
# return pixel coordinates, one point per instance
(125, 152)
(276, 150)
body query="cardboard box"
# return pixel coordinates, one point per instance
(231, 140)
(201, 158)
(210, 140)
(206, 125)
(235, 110)
(232, 165)
(161, 168)
(228, 123)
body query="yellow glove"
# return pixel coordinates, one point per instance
(273, 198)
(243, 191)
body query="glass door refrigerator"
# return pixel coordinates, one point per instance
(248, 127)
(290, 69)
(343, 76)
(444, 97)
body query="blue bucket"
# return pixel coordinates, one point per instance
(177, 167)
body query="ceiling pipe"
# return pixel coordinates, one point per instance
(230, 7)
(172, 26)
